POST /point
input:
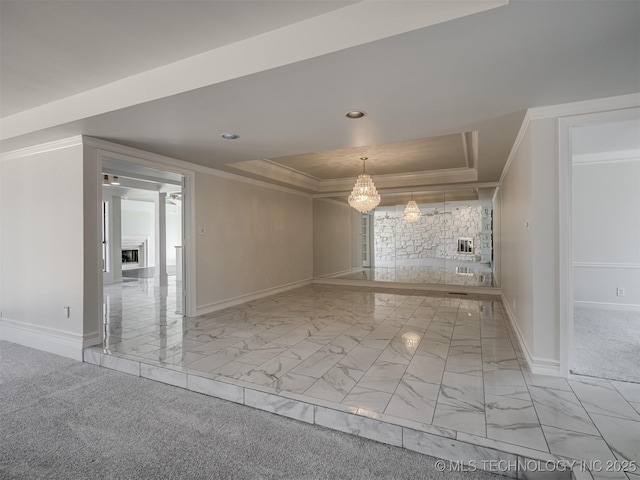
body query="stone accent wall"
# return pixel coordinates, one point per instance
(433, 236)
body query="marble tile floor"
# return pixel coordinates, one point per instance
(446, 368)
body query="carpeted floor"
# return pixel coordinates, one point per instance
(62, 419)
(606, 344)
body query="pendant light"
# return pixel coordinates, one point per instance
(364, 196)
(411, 211)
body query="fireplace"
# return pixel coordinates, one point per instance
(134, 252)
(130, 255)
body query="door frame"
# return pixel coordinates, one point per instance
(366, 243)
(565, 230)
(188, 220)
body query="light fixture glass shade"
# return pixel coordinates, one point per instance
(115, 180)
(105, 180)
(364, 196)
(411, 212)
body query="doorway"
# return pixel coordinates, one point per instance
(145, 230)
(366, 240)
(604, 183)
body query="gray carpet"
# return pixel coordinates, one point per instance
(61, 419)
(606, 344)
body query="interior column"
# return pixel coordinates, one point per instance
(160, 276)
(115, 238)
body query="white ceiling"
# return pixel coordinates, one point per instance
(52, 49)
(478, 72)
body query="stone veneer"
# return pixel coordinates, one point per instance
(435, 235)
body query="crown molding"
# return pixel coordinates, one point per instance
(332, 201)
(399, 180)
(620, 102)
(125, 153)
(426, 188)
(470, 148)
(278, 173)
(42, 148)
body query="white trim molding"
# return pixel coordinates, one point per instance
(608, 104)
(112, 151)
(279, 173)
(583, 113)
(597, 105)
(413, 179)
(42, 148)
(232, 302)
(526, 121)
(537, 365)
(52, 340)
(129, 154)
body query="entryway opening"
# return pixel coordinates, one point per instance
(605, 185)
(143, 249)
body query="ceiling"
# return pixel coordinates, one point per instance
(85, 44)
(424, 154)
(282, 74)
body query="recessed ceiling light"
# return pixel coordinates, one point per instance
(230, 136)
(355, 114)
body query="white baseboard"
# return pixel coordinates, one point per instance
(232, 302)
(48, 339)
(539, 366)
(622, 307)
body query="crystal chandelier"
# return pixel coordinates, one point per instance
(364, 196)
(411, 211)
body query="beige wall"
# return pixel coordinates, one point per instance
(42, 250)
(92, 195)
(515, 250)
(257, 239)
(529, 257)
(333, 233)
(546, 239)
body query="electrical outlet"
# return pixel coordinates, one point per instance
(66, 312)
(620, 291)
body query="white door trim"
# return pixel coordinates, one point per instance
(565, 229)
(188, 198)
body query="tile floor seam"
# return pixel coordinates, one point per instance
(544, 435)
